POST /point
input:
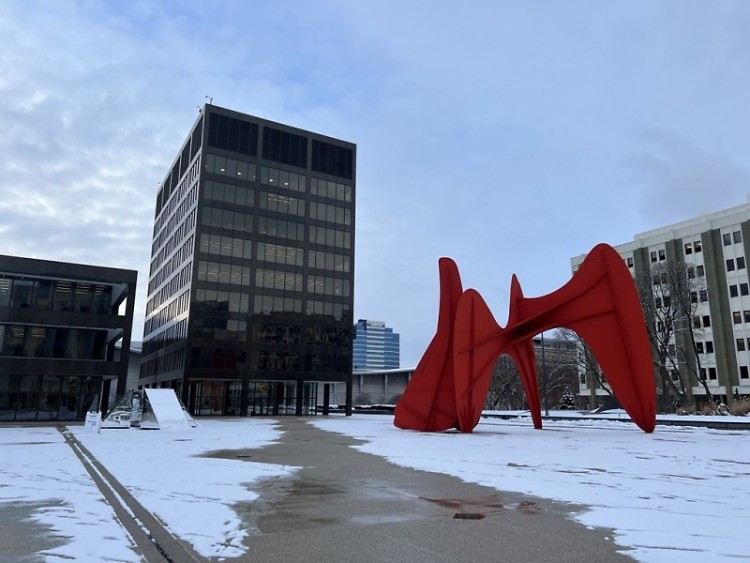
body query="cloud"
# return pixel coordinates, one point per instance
(676, 179)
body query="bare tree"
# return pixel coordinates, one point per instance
(670, 294)
(584, 360)
(506, 390)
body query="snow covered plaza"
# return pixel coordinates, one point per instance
(679, 494)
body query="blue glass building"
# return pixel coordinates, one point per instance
(376, 346)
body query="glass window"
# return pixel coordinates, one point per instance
(688, 248)
(700, 270)
(746, 316)
(712, 373)
(740, 262)
(733, 291)
(63, 300)
(5, 286)
(730, 265)
(709, 347)
(727, 239)
(736, 317)
(743, 289)
(706, 321)
(737, 237)
(740, 344)
(744, 373)
(697, 246)
(662, 255)
(699, 347)
(703, 294)
(653, 256)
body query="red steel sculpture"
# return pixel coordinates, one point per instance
(600, 303)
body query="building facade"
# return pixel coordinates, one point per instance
(59, 324)
(250, 292)
(376, 346)
(712, 251)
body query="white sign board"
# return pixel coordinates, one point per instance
(93, 422)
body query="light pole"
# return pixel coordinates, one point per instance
(544, 381)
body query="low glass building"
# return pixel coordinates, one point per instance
(59, 324)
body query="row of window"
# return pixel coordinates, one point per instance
(270, 176)
(46, 397)
(269, 360)
(231, 301)
(189, 182)
(330, 213)
(80, 297)
(171, 361)
(177, 260)
(171, 335)
(225, 219)
(738, 317)
(226, 246)
(732, 238)
(739, 263)
(173, 215)
(694, 246)
(283, 179)
(178, 281)
(665, 277)
(330, 189)
(278, 279)
(280, 228)
(707, 349)
(275, 253)
(743, 290)
(228, 193)
(52, 342)
(224, 273)
(227, 330)
(280, 254)
(702, 322)
(711, 372)
(330, 237)
(232, 167)
(712, 375)
(174, 309)
(661, 254)
(324, 285)
(282, 204)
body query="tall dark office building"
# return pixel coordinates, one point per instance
(250, 293)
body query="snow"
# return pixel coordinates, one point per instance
(679, 494)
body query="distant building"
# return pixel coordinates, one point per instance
(249, 305)
(59, 324)
(376, 346)
(714, 248)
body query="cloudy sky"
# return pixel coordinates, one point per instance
(510, 136)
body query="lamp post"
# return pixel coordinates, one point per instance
(544, 381)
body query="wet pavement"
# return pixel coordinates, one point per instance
(345, 505)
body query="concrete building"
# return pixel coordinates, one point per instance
(713, 248)
(376, 346)
(59, 324)
(251, 284)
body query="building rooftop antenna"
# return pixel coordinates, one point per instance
(210, 99)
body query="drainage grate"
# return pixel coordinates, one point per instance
(468, 515)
